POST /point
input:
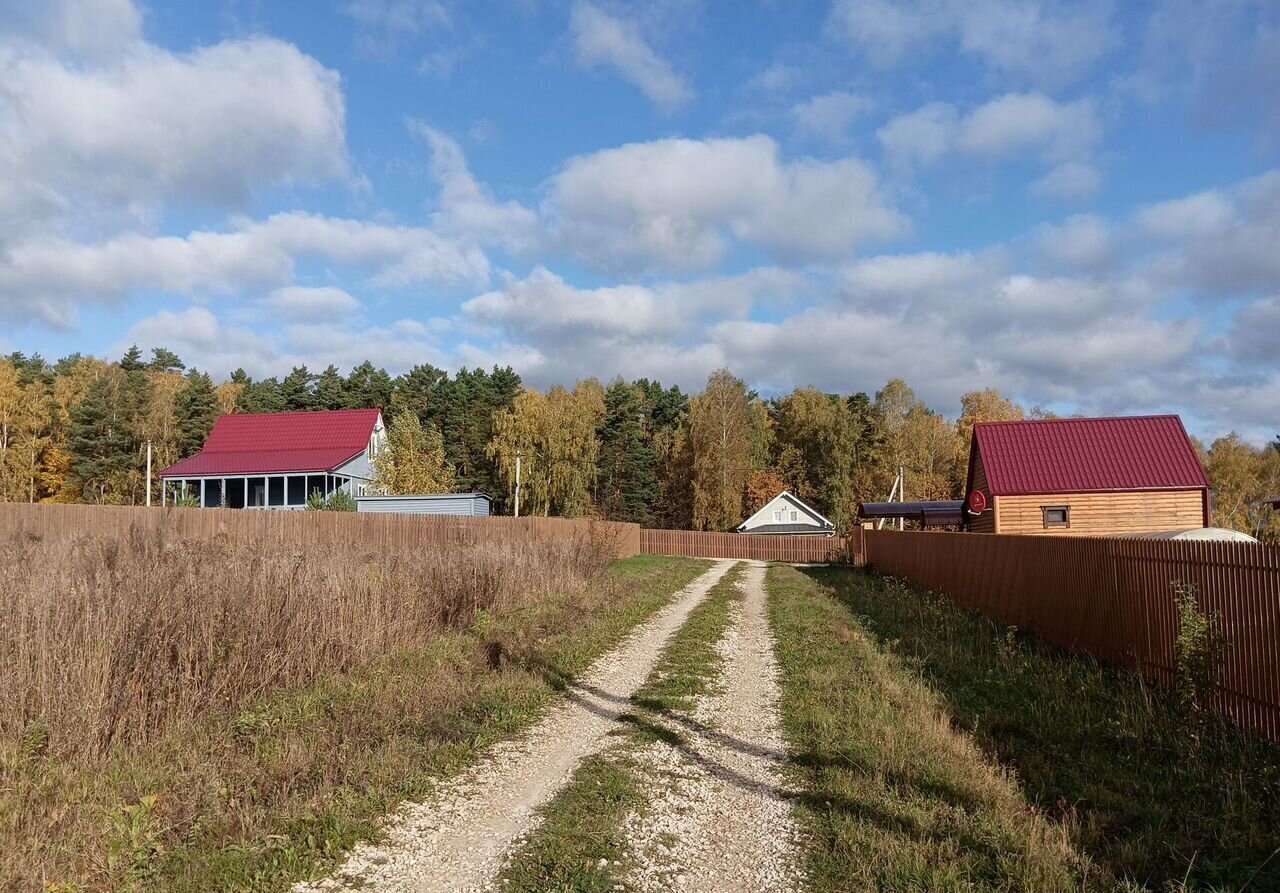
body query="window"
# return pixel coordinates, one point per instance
(297, 490)
(257, 492)
(777, 517)
(1056, 515)
(275, 491)
(795, 516)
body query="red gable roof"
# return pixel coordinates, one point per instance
(280, 442)
(1084, 455)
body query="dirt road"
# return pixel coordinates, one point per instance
(458, 840)
(719, 814)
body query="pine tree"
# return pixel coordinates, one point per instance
(424, 391)
(627, 486)
(330, 390)
(165, 360)
(469, 404)
(100, 443)
(195, 411)
(260, 396)
(132, 360)
(296, 390)
(133, 409)
(368, 388)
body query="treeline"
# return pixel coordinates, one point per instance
(76, 430)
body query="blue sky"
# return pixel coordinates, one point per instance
(1077, 203)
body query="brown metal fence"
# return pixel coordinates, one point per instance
(700, 544)
(373, 531)
(1112, 598)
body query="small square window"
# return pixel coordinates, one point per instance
(795, 516)
(1056, 515)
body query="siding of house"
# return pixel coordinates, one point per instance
(1095, 514)
(456, 504)
(786, 506)
(986, 522)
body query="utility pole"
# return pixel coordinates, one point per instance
(902, 494)
(148, 474)
(518, 456)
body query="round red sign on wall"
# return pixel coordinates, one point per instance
(977, 502)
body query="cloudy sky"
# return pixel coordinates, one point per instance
(1077, 203)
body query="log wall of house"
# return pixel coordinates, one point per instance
(1099, 514)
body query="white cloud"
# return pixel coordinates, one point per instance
(89, 28)
(550, 312)
(411, 16)
(1039, 41)
(829, 115)
(923, 136)
(467, 208)
(309, 304)
(603, 40)
(114, 140)
(1069, 181)
(206, 342)
(1220, 242)
(1063, 134)
(777, 77)
(44, 278)
(1254, 336)
(1221, 58)
(1082, 243)
(677, 204)
(913, 276)
(1019, 121)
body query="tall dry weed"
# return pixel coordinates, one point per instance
(109, 641)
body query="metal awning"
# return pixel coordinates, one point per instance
(938, 513)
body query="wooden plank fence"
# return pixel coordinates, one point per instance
(1112, 598)
(701, 544)
(370, 531)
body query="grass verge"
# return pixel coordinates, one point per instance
(279, 790)
(1148, 799)
(894, 799)
(580, 847)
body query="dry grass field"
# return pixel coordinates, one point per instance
(199, 715)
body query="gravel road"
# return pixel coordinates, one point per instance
(719, 812)
(458, 840)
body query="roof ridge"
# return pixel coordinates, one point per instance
(1099, 418)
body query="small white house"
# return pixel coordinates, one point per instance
(788, 514)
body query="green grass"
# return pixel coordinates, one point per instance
(281, 790)
(892, 798)
(1096, 751)
(579, 847)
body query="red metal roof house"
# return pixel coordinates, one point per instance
(1101, 476)
(275, 460)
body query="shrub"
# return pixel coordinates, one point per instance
(1198, 651)
(338, 501)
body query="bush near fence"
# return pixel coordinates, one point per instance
(379, 532)
(1112, 598)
